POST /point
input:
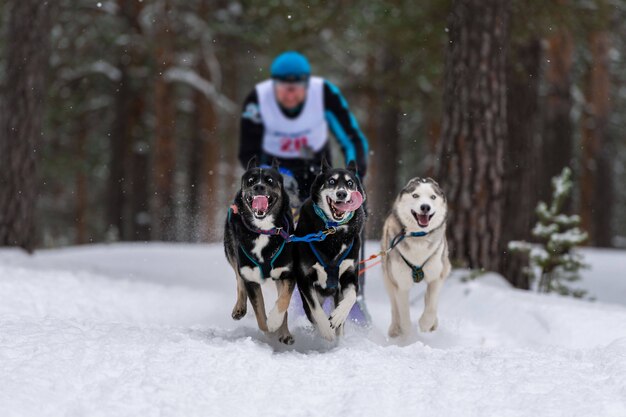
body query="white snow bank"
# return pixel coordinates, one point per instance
(142, 330)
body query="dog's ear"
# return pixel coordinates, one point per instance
(412, 183)
(325, 165)
(437, 188)
(252, 163)
(352, 167)
(435, 183)
(275, 164)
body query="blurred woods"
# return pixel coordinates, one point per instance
(139, 136)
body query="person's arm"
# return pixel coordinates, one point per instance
(251, 131)
(345, 128)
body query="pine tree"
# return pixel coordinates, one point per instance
(470, 154)
(558, 233)
(21, 118)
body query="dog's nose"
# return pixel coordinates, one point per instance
(425, 208)
(260, 188)
(341, 195)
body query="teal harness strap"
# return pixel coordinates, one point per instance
(332, 269)
(265, 267)
(401, 236)
(330, 223)
(417, 271)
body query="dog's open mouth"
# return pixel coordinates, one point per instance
(259, 204)
(337, 213)
(339, 208)
(423, 220)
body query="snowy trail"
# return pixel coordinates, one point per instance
(145, 330)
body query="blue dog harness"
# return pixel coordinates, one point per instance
(267, 266)
(417, 271)
(331, 268)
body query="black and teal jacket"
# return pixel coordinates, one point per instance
(340, 120)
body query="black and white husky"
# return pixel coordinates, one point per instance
(416, 229)
(330, 267)
(255, 242)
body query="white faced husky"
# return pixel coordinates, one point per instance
(416, 229)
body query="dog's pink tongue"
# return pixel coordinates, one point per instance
(356, 199)
(260, 203)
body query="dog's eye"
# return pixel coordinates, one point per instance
(416, 196)
(432, 197)
(331, 181)
(269, 180)
(350, 183)
(250, 180)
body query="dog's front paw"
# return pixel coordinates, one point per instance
(394, 330)
(326, 331)
(336, 320)
(339, 315)
(428, 322)
(275, 319)
(239, 312)
(286, 339)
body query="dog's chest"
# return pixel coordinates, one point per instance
(331, 261)
(414, 261)
(260, 256)
(259, 244)
(264, 260)
(417, 251)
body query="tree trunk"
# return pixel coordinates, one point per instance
(120, 152)
(384, 173)
(218, 203)
(195, 163)
(205, 158)
(128, 211)
(21, 120)
(597, 164)
(557, 144)
(433, 137)
(81, 182)
(164, 166)
(520, 181)
(474, 129)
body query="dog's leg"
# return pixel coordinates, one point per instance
(317, 314)
(305, 305)
(339, 315)
(428, 322)
(284, 335)
(256, 299)
(394, 328)
(337, 299)
(404, 313)
(277, 315)
(241, 306)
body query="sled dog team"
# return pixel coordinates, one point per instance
(321, 254)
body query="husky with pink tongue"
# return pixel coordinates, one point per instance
(415, 236)
(255, 241)
(330, 268)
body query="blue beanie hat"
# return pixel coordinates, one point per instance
(290, 66)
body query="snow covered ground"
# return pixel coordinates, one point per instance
(145, 330)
